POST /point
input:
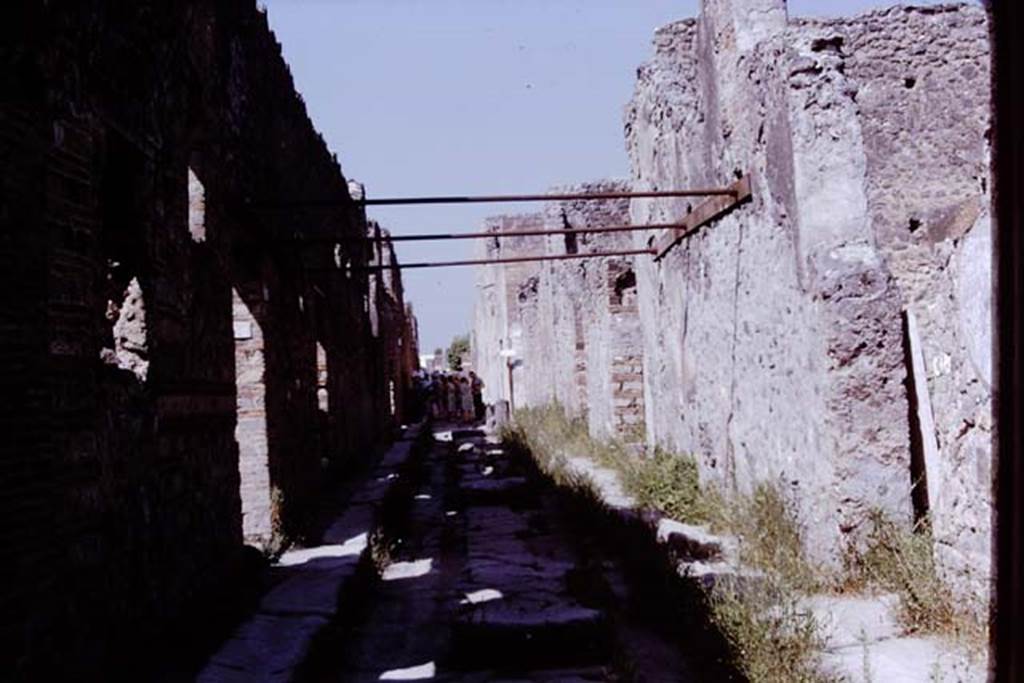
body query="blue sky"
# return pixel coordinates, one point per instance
(473, 96)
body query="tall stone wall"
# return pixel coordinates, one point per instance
(774, 339)
(144, 147)
(392, 329)
(776, 344)
(573, 324)
(499, 321)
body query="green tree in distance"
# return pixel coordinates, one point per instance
(458, 348)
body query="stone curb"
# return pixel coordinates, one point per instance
(862, 641)
(697, 554)
(273, 643)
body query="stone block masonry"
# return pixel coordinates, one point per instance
(159, 328)
(771, 344)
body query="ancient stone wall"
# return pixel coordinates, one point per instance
(499, 320)
(573, 324)
(398, 350)
(776, 343)
(775, 339)
(144, 147)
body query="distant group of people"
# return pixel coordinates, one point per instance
(453, 397)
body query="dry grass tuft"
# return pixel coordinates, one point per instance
(771, 637)
(666, 482)
(900, 560)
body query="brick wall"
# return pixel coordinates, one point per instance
(123, 391)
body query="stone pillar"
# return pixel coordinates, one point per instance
(742, 24)
(251, 430)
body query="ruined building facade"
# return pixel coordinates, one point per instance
(831, 337)
(565, 331)
(182, 367)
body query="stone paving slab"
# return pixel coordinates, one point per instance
(374, 489)
(906, 659)
(496, 521)
(313, 590)
(356, 523)
(533, 611)
(605, 480)
(693, 542)
(846, 621)
(482, 491)
(508, 571)
(266, 648)
(864, 642)
(531, 634)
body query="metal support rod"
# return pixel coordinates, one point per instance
(585, 196)
(500, 198)
(511, 259)
(427, 237)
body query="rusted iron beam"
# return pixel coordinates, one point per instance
(571, 196)
(702, 214)
(510, 259)
(427, 237)
(501, 198)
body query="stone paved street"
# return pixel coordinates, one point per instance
(708, 393)
(488, 581)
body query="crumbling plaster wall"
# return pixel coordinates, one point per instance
(505, 307)
(774, 337)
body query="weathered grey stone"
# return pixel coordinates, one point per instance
(312, 590)
(266, 648)
(913, 660)
(770, 344)
(131, 348)
(772, 339)
(851, 621)
(974, 296)
(695, 543)
(606, 481)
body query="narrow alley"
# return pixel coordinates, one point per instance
(657, 341)
(477, 568)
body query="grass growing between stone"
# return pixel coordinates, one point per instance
(771, 636)
(771, 631)
(665, 482)
(769, 536)
(900, 560)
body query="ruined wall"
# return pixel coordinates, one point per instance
(139, 143)
(393, 329)
(925, 112)
(573, 324)
(499, 316)
(774, 339)
(251, 425)
(775, 344)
